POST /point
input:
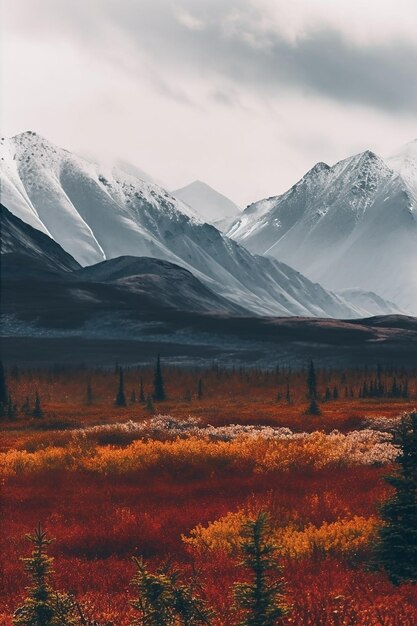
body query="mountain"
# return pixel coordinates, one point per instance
(133, 308)
(135, 171)
(209, 204)
(96, 215)
(29, 252)
(27, 255)
(349, 226)
(161, 283)
(404, 162)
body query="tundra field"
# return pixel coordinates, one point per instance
(176, 480)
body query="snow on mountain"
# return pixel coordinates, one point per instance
(208, 203)
(135, 171)
(95, 215)
(404, 162)
(349, 226)
(370, 301)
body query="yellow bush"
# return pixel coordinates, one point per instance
(344, 537)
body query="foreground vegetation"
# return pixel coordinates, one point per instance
(178, 480)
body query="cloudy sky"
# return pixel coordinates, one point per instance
(243, 94)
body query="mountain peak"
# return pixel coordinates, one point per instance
(209, 204)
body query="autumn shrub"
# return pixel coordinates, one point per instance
(201, 456)
(345, 537)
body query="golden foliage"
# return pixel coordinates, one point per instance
(203, 456)
(344, 537)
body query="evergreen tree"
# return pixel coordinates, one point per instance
(4, 394)
(261, 599)
(188, 605)
(141, 391)
(288, 394)
(158, 382)
(313, 408)
(150, 405)
(133, 396)
(312, 382)
(120, 397)
(396, 547)
(155, 597)
(37, 410)
(89, 393)
(200, 389)
(11, 410)
(163, 599)
(43, 606)
(26, 406)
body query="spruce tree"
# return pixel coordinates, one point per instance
(150, 405)
(120, 397)
(164, 599)
(26, 406)
(4, 394)
(89, 393)
(261, 599)
(396, 546)
(190, 608)
(158, 382)
(288, 394)
(312, 382)
(313, 408)
(11, 410)
(37, 410)
(43, 606)
(154, 597)
(141, 391)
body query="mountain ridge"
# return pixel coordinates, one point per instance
(96, 215)
(349, 226)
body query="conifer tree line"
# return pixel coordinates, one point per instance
(312, 385)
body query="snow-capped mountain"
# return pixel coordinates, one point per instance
(96, 215)
(29, 256)
(404, 162)
(349, 226)
(209, 204)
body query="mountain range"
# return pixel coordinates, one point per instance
(349, 226)
(97, 215)
(134, 307)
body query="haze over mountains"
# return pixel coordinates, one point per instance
(210, 205)
(96, 215)
(133, 307)
(349, 226)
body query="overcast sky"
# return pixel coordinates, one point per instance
(243, 94)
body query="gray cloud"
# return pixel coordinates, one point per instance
(229, 40)
(240, 93)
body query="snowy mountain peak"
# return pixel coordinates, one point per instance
(404, 162)
(208, 203)
(97, 215)
(352, 225)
